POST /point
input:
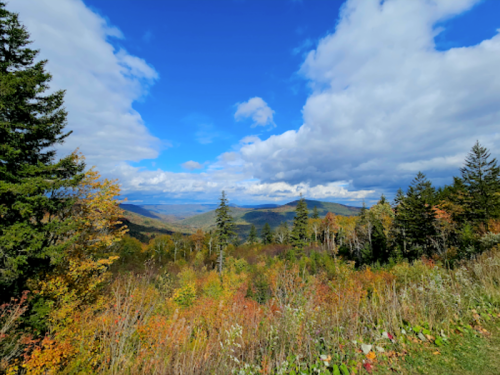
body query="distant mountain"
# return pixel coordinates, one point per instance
(260, 206)
(324, 207)
(143, 227)
(245, 217)
(138, 210)
(169, 213)
(187, 218)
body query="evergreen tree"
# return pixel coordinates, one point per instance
(382, 200)
(364, 228)
(315, 214)
(415, 218)
(225, 227)
(481, 181)
(266, 234)
(299, 231)
(382, 218)
(33, 184)
(252, 237)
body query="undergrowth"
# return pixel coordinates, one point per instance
(271, 318)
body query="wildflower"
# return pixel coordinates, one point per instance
(368, 367)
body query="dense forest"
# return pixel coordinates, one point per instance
(401, 284)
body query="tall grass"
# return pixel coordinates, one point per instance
(151, 326)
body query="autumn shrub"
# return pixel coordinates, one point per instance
(132, 256)
(12, 340)
(192, 323)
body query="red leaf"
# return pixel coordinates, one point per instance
(368, 367)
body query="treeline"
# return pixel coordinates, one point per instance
(449, 223)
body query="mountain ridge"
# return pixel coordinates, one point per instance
(189, 218)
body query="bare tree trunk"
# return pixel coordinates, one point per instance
(221, 260)
(334, 247)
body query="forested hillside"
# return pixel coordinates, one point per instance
(244, 217)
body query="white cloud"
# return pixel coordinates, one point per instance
(305, 45)
(258, 110)
(385, 102)
(192, 165)
(100, 82)
(238, 185)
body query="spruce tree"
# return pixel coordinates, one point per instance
(252, 237)
(415, 217)
(481, 181)
(299, 232)
(33, 228)
(266, 234)
(225, 227)
(315, 214)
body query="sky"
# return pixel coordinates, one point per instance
(341, 101)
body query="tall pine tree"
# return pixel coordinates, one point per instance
(252, 237)
(266, 234)
(32, 182)
(299, 232)
(225, 228)
(315, 214)
(481, 182)
(415, 218)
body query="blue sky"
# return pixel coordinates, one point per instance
(211, 55)
(340, 101)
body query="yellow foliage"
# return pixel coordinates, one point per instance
(185, 296)
(78, 277)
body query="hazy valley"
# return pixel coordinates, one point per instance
(146, 220)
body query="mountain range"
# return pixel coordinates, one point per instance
(187, 218)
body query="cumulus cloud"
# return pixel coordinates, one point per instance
(206, 186)
(192, 165)
(256, 109)
(385, 103)
(101, 82)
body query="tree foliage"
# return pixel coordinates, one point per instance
(266, 234)
(82, 270)
(415, 218)
(315, 214)
(33, 233)
(481, 182)
(299, 235)
(252, 237)
(225, 227)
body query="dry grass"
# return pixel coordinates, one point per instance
(148, 326)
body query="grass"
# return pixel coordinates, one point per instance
(466, 353)
(277, 317)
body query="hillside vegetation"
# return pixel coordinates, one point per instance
(409, 286)
(244, 217)
(144, 228)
